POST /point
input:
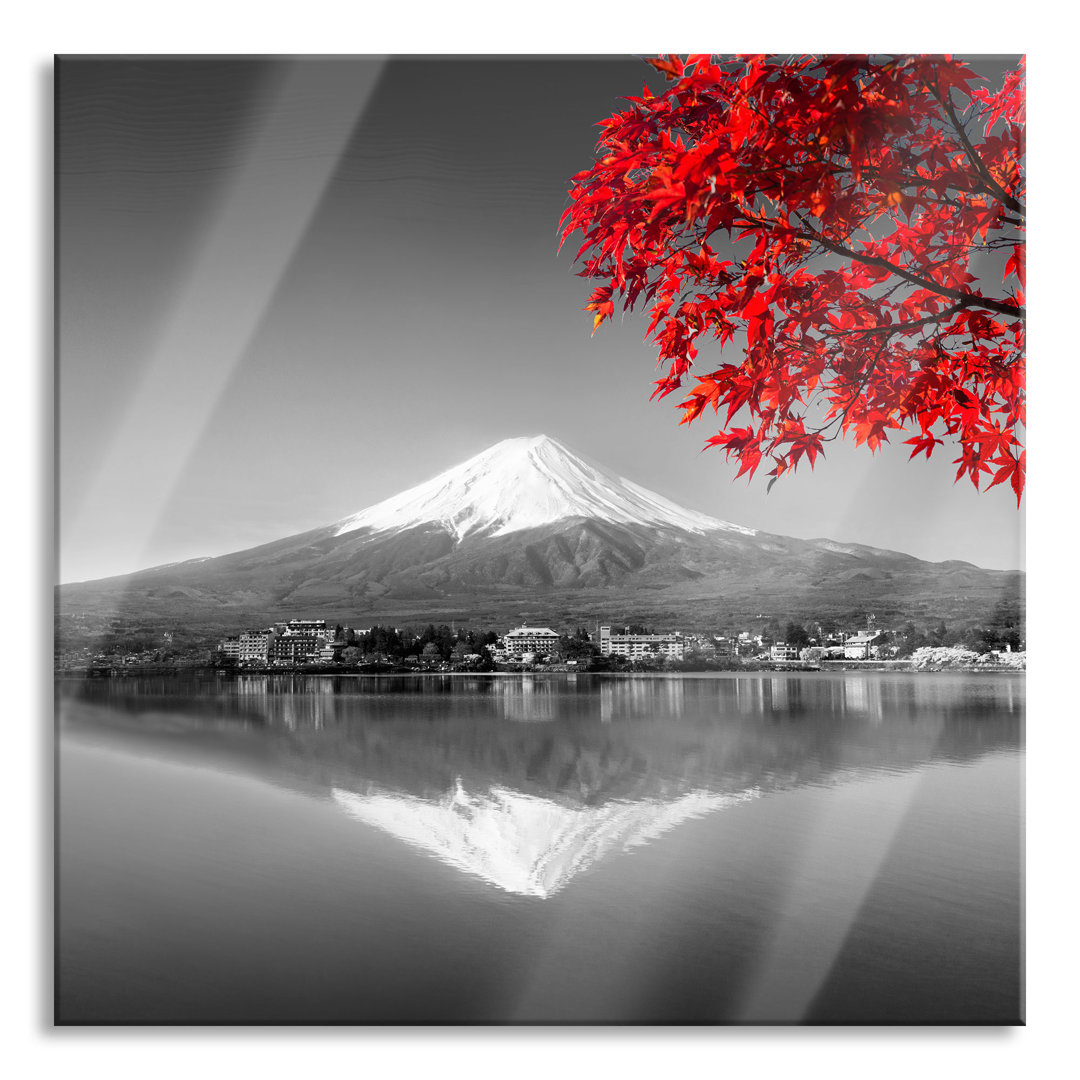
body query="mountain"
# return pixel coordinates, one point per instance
(521, 484)
(528, 529)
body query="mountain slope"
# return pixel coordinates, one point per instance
(527, 527)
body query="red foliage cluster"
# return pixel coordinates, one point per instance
(871, 194)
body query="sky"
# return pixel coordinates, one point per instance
(288, 289)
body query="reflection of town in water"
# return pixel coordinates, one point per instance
(526, 782)
(307, 701)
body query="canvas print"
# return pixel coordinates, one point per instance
(540, 540)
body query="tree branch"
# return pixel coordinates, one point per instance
(964, 299)
(973, 156)
(894, 328)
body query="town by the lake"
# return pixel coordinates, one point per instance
(317, 645)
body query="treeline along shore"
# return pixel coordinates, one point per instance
(318, 647)
(955, 661)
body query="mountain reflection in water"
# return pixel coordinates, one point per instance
(527, 782)
(521, 843)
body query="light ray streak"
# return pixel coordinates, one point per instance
(807, 941)
(230, 284)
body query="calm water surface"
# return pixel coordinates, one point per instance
(811, 848)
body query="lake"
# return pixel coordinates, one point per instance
(810, 848)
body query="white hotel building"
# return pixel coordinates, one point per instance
(641, 646)
(539, 640)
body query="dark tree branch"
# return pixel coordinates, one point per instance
(897, 328)
(964, 299)
(974, 158)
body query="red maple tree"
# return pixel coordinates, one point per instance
(863, 199)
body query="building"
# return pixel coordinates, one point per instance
(255, 646)
(641, 646)
(724, 647)
(780, 651)
(538, 640)
(231, 647)
(859, 646)
(317, 627)
(289, 649)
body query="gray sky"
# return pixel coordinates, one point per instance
(291, 289)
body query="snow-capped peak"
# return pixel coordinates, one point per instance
(524, 483)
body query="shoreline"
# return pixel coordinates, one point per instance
(899, 667)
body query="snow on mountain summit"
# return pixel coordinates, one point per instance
(524, 483)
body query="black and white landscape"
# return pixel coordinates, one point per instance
(530, 526)
(312, 319)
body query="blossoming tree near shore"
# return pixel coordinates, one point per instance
(874, 209)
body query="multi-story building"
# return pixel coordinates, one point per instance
(539, 640)
(288, 649)
(859, 646)
(255, 646)
(317, 627)
(641, 646)
(781, 651)
(284, 643)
